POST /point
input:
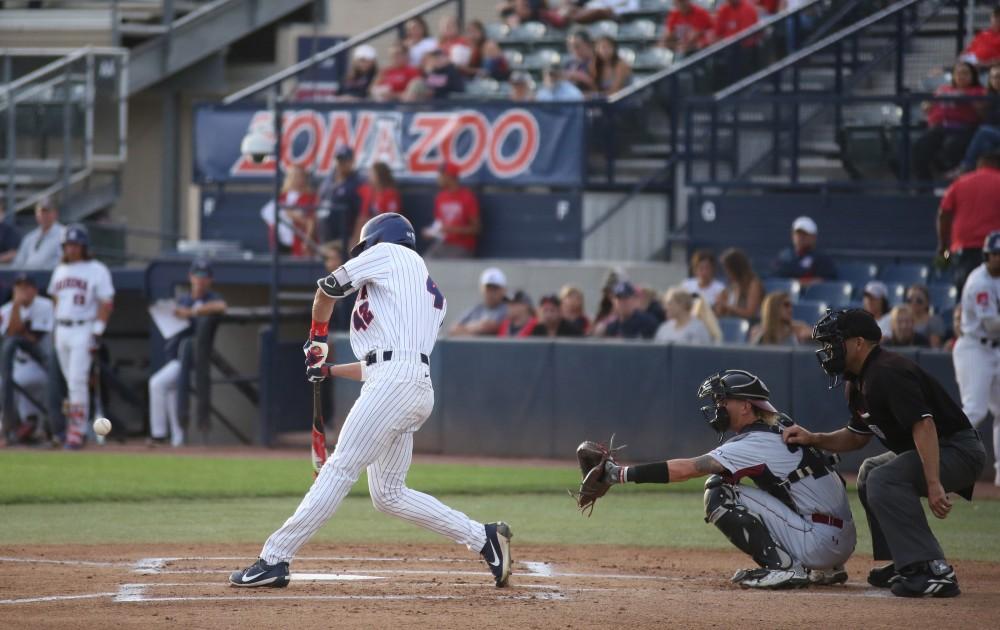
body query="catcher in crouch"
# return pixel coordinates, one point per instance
(796, 523)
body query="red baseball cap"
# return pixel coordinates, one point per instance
(450, 168)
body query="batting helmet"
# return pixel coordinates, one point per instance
(991, 245)
(738, 384)
(388, 227)
(76, 233)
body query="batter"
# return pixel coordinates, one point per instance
(394, 325)
(83, 294)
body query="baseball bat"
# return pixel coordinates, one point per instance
(318, 430)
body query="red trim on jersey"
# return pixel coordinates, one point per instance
(751, 472)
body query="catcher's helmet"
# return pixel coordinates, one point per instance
(75, 233)
(386, 228)
(738, 384)
(991, 245)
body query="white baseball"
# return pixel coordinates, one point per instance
(102, 426)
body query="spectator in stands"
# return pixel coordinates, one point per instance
(485, 318)
(969, 211)
(379, 194)
(950, 125)
(392, 82)
(441, 76)
(10, 238)
(333, 258)
(450, 34)
(875, 300)
(956, 330)
(902, 332)
(202, 301)
(743, 295)
(418, 41)
(361, 74)
(606, 306)
(516, 12)
(340, 197)
(703, 311)
(520, 320)
(41, 248)
(417, 92)
(627, 320)
(987, 136)
(801, 260)
(777, 327)
(687, 28)
(611, 72)
(555, 87)
(590, 11)
(925, 323)
(494, 64)
(681, 325)
(703, 281)
(456, 224)
(769, 7)
(297, 203)
(579, 64)
(475, 37)
(796, 28)
(984, 49)
(735, 16)
(550, 322)
(521, 87)
(26, 323)
(650, 303)
(571, 308)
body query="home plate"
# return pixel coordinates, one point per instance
(332, 577)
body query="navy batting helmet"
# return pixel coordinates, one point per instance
(388, 227)
(76, 233)
(991, 245)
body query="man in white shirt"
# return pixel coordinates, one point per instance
(41, 248)
(557, 88)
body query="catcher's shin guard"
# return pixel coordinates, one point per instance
(742, 527)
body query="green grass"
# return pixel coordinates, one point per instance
(107, 498)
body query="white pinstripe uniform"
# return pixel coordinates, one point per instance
(399, 309)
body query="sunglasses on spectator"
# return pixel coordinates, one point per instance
(916, 299)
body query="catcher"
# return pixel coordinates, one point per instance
(796, 523)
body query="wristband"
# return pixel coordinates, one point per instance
(98, 327)
(319, 330)
(657, 472)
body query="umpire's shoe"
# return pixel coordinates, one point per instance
(261, 573)
(496, 551)
(927, 579)
(883, 577)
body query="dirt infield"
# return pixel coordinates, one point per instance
(438, 586)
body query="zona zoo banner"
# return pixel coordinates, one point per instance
(490, 143)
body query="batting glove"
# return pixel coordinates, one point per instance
(316, 348)
(318, 374)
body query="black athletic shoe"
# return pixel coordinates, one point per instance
(883, 577)
(496, 551)
(927, 579)
(261, 573)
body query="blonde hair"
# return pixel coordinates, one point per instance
(767, 417)
(287, 184)
(681, 297)
(703, 311)
(770, 318)
(569, 289)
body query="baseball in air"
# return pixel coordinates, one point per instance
(102, 426)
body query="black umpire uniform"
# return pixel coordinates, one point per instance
(887, 398)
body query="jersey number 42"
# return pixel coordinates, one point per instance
(363, 315)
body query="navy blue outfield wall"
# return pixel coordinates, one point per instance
(540, 398)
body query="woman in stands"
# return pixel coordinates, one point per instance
(682, 326)
(392, 82)
(925, 323)
(475, 38)
(579, 65)
(298, 213)
(903, 333)
(776, 327)
(987, 136)
(950, 124)
(743, 295)
(418, 41)
(361, 75)
(380, 194)
(703, 281)
(611, 72)
(571, 306)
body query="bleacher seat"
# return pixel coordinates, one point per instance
(655, 5)
(734, 329)
(627, 55)
(808, 311)
(908, 273)
(540, 59)
(836, 294)
(527, 32)
(897, 292)
(790, 286)
(497, 31)
(654, 58)
(855, 272)
(484, 86)
(515, 59)
(943, 296)
(604, 28)
(638, 29)
(948, 315)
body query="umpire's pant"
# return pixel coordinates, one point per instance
(890, 487)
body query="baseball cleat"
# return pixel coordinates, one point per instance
(496, 551)
(883, 577)
(261, 573)
(795, 577)
(828, 577)
(930, 579)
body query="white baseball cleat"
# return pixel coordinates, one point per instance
(794, 577)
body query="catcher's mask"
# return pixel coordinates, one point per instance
(834, 330)
(738, 384)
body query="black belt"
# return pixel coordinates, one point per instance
(989, 343)
(372, 357)
(826, 519)
(73, 322)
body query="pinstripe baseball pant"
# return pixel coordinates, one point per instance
(396, 399)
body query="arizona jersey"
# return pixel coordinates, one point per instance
(980, 300)
(78, 288)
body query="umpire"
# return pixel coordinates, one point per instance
(933, 450)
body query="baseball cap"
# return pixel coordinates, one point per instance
(364, 51)
(344, 152)
(554, 68)
(805, 224)
(991, 244)
(23, 278)
(856, 322)
(876, 289)
(521, 297)
(202, 268)
(624, 289)
(493, 276)
(449, 168)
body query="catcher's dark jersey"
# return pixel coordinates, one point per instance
(892, 394)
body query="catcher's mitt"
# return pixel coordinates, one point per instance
(593, 458)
